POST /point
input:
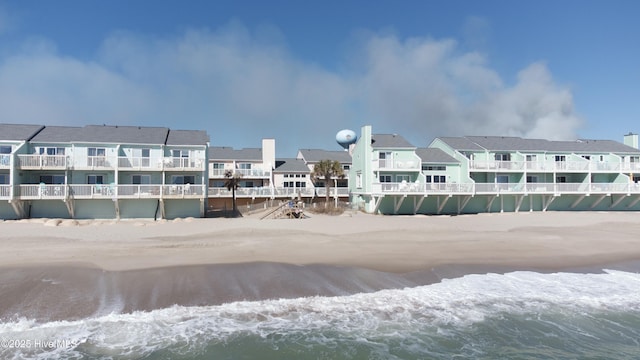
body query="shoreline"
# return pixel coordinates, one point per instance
(100, 267)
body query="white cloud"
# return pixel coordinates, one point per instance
(241, 87)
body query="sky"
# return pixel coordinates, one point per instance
(300, 71)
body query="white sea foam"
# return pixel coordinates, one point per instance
(441, 307)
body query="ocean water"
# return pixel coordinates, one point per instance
(517, 315)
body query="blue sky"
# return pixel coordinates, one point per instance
(299, 71)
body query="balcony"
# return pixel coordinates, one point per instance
(186, 191)
(94, 163)
(552, 166)
(139, 163)
(5, 161)
(390, 164)
(42, 162)
(255, 173)
(5, 192)
(505, 188)
(42, 192)
(183, 163)
(333, 191)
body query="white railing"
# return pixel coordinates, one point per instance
(216, 173)
(341, 191)
(182, 191)
(98, 162)
(42, 161)
(182, 163)
(305, 192)
(5, 161)
(553, 166)
(139, 191)
(253, 173)
(42, 191)
(139, 163)
(5, 191)
(397, 164)
(506, 188)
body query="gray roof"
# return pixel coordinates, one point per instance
(316, 155)
(389, 141)
(18, 132)
(435, 155)
(289, 165)
(123, 134)
(228, 153)
(58, 134)
(187, 137)
(461, 143)
(511, 143)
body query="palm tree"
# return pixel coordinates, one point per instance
(327, 170)
(232, 182)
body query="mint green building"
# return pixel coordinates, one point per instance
(475, 174)
(102, 172)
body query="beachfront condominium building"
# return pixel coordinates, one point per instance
(254, 166)
(474, 174)
(102, 172)
(339, 186)
(264, 178)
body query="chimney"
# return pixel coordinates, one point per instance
(269, 153)
(631, 139)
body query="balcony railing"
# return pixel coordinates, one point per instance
(391, 164)
(5, 191)
(186, 163)
(5, 161)
(506, 188)
(42, 161)
(42, 191)
(341, 191)
(552, 166)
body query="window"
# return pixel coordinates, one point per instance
(96, 157)
(401, 178)
(436, 179)
(140, 157)
(288, 184)
(4, 179)
(502, 179)
(359, 180)
(384, 159)
(433, 167)
(140, 179)
(503, 157)
(183, 179)
(51, 151)
(95, 179)
(5, 149)
(561, 179)
(346, 167)
(180, 153)
(52, 179)
(532, 179)
(244, 166)
(96, 151)
(385, 178)
(532, 158)
(301, 184)
(560, 158)
(586, 157)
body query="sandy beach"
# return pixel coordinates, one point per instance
(552, 240)
(65, 269)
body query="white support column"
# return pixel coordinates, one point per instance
(462, 204)
(575, 203)
(397, 202)
(598, 201)
(519, 202)
(618, 201)
(416, 205)
(377, 203)
(546, 202)
(441, 205)
(490, 202)
(634, 202)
